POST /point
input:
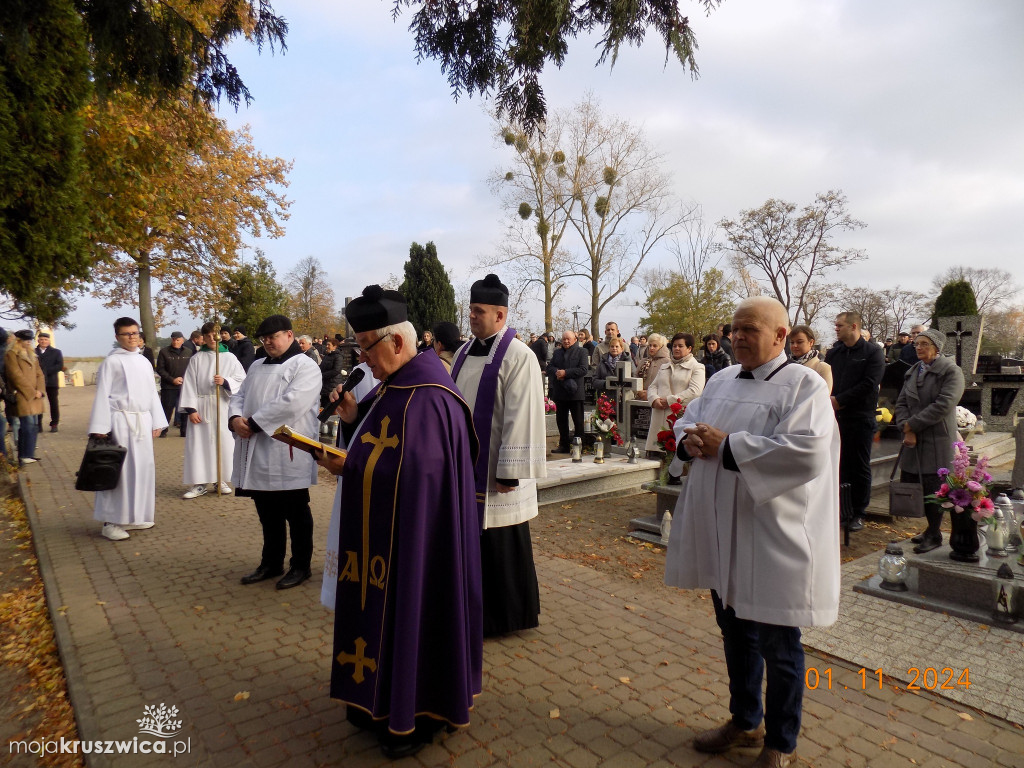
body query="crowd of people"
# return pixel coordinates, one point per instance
(442, 441)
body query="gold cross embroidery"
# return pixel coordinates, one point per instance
(359, 660)
(380, 442)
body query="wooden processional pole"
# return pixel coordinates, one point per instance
(216, 393)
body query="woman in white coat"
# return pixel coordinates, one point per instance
(678, 381)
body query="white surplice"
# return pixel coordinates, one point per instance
(127, 406)
(330, 585)
(273, 395)
(200, 393)
(766, 538)
(518, 445)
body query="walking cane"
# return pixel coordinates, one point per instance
(216, 392)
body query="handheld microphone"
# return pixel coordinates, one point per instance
(350, 384)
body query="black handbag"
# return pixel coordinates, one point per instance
(905, 499)
(101, 465)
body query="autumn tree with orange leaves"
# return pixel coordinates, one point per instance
(174, 193)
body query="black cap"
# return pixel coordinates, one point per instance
(240, 329)
(489, 291)
(273, 324)
(177, 335)
(41, 334)
(23, 335)
(376, 308)
(447, 334)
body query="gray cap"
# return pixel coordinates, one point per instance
(935, 336)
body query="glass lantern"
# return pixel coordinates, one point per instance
(1006, 597)
(576, 450)
(996, 534)
(1013, 539)
(599, 451)
(893, 569)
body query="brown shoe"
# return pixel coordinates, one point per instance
(772, 758)
(727, 736)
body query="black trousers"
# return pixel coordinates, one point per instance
(855, 437)
(278, 510)
(169, 401)
(52, 394)
(562, 410)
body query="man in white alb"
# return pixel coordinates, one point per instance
(213, 373)
(758, 525)
(497, 374)
(282, 388)
(127, 408)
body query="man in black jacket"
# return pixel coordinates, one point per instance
(857, 368)
(244, 349)
(171, 363)
(51, 361)
(569, 364)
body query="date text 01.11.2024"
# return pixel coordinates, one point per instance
(926, 678)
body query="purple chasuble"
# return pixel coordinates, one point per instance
(408, 634)
(483, 409)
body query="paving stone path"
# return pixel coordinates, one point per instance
(611, 677)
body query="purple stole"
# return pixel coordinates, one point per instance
(483, 408)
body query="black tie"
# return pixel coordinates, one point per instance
(745, 375)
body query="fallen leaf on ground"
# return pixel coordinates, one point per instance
(241, 695)
(554, 714)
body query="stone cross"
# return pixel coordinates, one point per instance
(959, 333)
(624, 385)
(968, 331)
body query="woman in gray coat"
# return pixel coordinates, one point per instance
(926, 412)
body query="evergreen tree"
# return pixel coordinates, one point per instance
(956, 298)
(427, 288)
(253, 293)
(43, 84)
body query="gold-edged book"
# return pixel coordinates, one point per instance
(289, 436)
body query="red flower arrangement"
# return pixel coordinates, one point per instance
(667, 437)
(603, 420)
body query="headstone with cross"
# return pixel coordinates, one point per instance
(963, 341)
(624, 385)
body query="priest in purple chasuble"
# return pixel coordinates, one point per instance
(408, 643)
(497, 374)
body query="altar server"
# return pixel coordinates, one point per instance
(213, 374)
(497, 375)
(127, 408)
(758, 525)
(280, 389)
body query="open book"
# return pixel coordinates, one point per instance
(290, 437)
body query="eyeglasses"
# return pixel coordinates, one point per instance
(268, 337)
(131, 335)
(921, 344)
(366, 350)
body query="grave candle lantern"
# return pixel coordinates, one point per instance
(892, 567)
(996, 534)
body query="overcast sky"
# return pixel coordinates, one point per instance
(913, 108)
